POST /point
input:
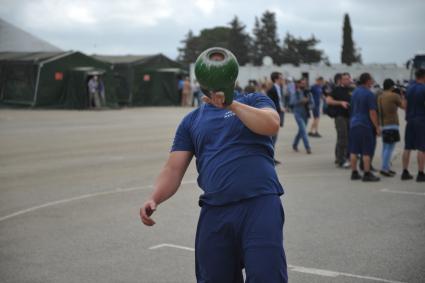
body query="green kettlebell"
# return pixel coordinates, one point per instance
(216, 69)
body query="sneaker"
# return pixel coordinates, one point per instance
(308, 151)
(346, 164)
(386, 173)
(310, 134)
(295, 148)
(406, 175)
(369, 177)
(355, 175)
(317, 135)
(276, 162)
(420, 177)
(392, 172)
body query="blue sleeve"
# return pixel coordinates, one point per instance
(371, 101)
(258, 100)
(182, 139)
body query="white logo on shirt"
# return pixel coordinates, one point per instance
(229, 114)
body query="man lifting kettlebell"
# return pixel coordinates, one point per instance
(242, 217)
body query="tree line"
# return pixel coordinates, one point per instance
(264, 41)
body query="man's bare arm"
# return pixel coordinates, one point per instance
(167, 183)
(331, 101)
(374, 118)
(264, 121)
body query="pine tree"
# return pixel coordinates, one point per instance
(188, 53)
(257, 48)
(239, 42)
(271, 44)
(297, 50)
(266, 40)
(349, 54)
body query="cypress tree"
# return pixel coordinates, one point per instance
(349, 53)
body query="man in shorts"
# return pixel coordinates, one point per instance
(363, 128)
(414, 138)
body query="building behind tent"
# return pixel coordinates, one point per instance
(379, 72)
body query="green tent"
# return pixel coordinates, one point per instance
(52, 79)
(145, 80)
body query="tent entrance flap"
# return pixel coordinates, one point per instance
(75, 94)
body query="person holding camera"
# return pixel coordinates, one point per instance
(388, 103)
(301, 103)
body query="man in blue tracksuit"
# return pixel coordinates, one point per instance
(241, 220)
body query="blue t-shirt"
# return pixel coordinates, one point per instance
(180, 84)
(317, 92)
(362, 101)
(233, 162)
(415, 96)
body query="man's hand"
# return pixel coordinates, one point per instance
(378, 131)
(217, 99)
(345, 104)
(146, 211)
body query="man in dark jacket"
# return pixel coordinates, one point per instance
(339, 103)
(275, 93)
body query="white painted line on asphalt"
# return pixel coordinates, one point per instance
(294, 268)
(403, 192)
(67, 200)
(172, 246)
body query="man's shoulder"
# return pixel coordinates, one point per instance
(271, 91)
(250, 96)
(257, 100)
(191, 116)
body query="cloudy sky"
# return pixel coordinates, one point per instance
(386, 30)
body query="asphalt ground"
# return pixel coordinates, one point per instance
(72, 183)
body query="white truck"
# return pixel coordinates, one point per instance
(418, 62)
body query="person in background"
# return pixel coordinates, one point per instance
(186, 91)
(388, 104)
(414, 138)
(249, 89)
(290, 90)
(276, 95)
(299, 103)
(339, 105)
(197, 94)
(238, 88)
(364, 128)
(317, 92)
(180, 83)
(96, 92)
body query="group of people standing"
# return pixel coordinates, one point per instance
(360, 116)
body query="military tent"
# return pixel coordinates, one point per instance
(52, 79)
(145, 80)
